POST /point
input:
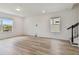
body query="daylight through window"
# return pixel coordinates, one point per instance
(6, 25)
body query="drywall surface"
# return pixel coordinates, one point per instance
(68, 17)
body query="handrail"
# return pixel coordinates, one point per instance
(73, 26)
(72, 33)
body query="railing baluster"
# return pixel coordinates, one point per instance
(72, 35)
(74, 32)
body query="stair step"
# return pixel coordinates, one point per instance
(75, 43)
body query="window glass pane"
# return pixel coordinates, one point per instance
(7, 24)
(0, 25)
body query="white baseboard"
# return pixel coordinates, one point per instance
(47, 38)
(11, 37)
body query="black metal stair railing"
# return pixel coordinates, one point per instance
(74, 32)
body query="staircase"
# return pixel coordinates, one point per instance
(74, 34)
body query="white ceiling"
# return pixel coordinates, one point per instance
(33, 9)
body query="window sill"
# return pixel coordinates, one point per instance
(6, 32)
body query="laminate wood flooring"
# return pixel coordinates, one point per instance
(27, 45)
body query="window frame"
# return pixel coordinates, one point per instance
(2, 18)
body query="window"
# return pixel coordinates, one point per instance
(55, 24)
(0, 25)
(6, 24)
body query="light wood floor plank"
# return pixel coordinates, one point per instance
(26, 45)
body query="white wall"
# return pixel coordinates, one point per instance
(68, 17)
(17, 27)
